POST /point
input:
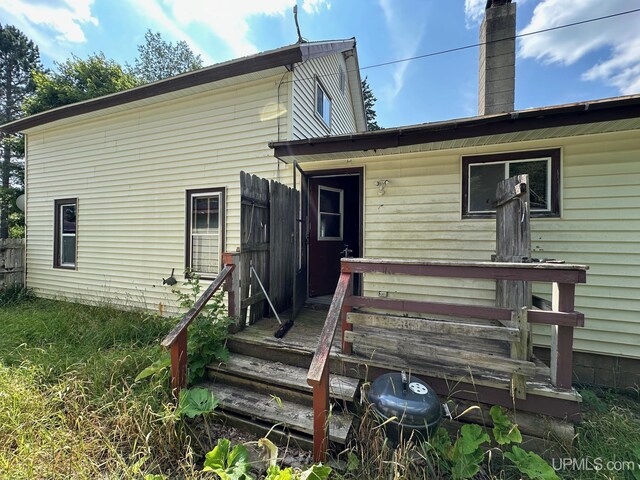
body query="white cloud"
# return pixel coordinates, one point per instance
(405, 37)
(474, 11)
(229, 21)
(62, 20)
(152, 10)
(619, 37)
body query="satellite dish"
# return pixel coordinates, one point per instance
(20, 202)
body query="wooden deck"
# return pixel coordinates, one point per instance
(471, 383)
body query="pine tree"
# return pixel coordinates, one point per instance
(19, 58)
(369, 103)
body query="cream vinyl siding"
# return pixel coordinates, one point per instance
(130, 171)
(419, 217)
(305, 122)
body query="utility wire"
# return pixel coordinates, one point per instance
(466, 47)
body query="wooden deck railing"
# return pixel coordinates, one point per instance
(176, 340)
(562, 318)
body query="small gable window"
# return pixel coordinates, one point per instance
(205, 231)
(323, 104)
(65, 230)
(482, 173)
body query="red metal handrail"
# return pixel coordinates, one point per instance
(176, 339)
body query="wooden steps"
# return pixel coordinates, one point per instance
(262, 394)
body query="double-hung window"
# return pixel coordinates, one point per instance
(482, 173)
(323, 104)
(65, 231)
(205, 231)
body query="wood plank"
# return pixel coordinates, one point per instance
(562, 337)
(252, 300)
(277, 373)
(534, 272)
(428, 325)
(520, 351)
(476, 312)
(565, 319)
(452, 356)
(267, 409)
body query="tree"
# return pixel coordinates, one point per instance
(77, 80)
(19, 57)
(158, 59)
(369, 103)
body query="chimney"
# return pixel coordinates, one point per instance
(496, 89)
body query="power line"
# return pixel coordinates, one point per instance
(466, 47)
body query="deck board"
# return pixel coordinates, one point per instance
(304, 335)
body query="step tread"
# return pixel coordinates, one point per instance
(277, 373)
(290, 414)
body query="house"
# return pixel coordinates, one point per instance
(126, 188)
(426, 193)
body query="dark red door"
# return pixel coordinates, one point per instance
(334, 228)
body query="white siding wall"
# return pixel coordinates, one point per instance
(130, 171)
(306, 123)
(420, 217)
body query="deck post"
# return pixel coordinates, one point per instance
(347, 347)
(321, 417)
(179, 363)
(232, 286)
(562, 336)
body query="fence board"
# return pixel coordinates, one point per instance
(11, 262)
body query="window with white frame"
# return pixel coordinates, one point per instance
(323, 103)
(330, 213)
(65, 226)
(482, 173)
(205, 231)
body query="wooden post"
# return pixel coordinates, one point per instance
(513, 242)
(179, 363)
(232, 286)
(347, 347)
(321, 417)
(519, 351)
(562, 336)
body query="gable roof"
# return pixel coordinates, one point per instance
(280, 57)
(610, 114)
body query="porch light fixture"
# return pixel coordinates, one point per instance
(382, 184)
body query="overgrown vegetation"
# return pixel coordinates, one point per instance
(70, 408)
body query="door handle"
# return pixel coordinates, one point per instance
(346, 253)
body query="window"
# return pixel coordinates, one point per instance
(323, 103)
(205, 231)
(65, 230)
(482, 173)
(330, 213)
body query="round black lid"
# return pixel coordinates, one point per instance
(412, 401)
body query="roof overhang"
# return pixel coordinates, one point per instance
(285, 56)
(549, 121)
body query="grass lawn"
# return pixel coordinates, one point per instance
(69, 407)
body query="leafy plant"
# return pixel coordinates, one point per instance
(196, 401)
(274, 472)
(228, 464)
(531, 464)
(463, 458)
(504, 431)
(156, 367)
(208, 332)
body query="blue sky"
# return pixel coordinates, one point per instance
(598, 60)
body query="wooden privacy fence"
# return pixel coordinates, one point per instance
(514, 323)
(11, 262)
(267, 230)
